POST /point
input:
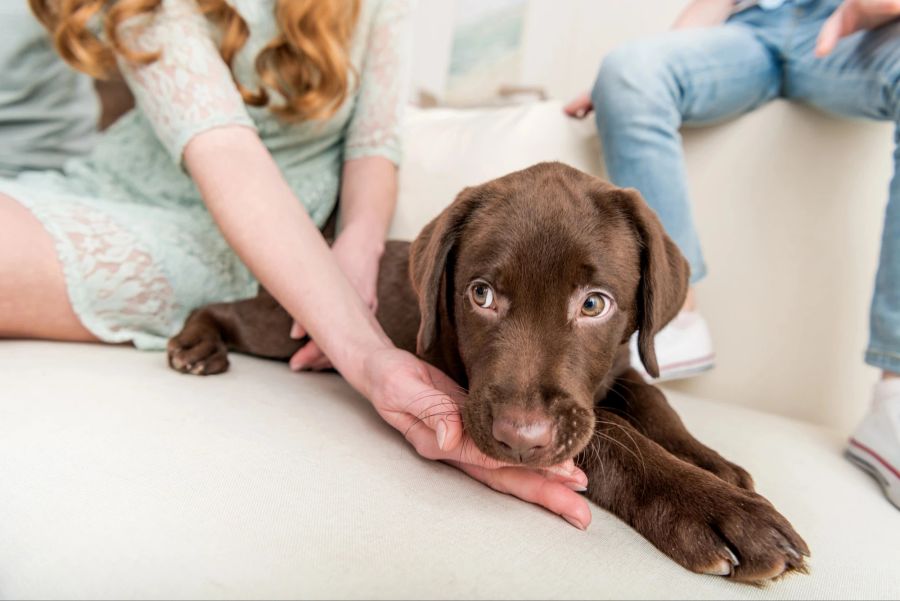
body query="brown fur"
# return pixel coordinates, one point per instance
(541, 237)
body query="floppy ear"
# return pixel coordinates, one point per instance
(429, 258)
(664, 276)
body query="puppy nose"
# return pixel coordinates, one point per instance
(524, 434)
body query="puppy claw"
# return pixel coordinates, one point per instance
(177, 362)
(722, 568)
(732, 558)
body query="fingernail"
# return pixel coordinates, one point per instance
(441, 431)
(296, 366)
(576, 486)
(574, 522)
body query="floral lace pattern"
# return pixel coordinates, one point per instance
(375, 126)
(189, 89)
(138, 248)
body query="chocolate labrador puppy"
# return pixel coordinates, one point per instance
(526, 290)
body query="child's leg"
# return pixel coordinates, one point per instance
(647, 89)
(861, 78)
(33, 298)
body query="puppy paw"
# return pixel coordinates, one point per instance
(198, 350)
(729, 532)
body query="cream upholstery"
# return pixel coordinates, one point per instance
(121, 479)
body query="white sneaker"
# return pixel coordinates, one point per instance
(683, 349)
(875, 446)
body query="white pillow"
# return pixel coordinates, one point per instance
(445, 150)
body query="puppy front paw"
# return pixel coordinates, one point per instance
(198, 349)
(726, 531)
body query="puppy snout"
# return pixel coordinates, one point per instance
(525, 435)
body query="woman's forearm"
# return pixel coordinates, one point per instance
(368, 199)
(704, 13)
(271, 232)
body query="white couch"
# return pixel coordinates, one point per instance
(121, 479)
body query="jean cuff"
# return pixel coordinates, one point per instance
(883, 360)
(698, 272)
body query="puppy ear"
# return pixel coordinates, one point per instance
(664, 280)
(430, 261)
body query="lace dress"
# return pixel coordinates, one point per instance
(137, 245)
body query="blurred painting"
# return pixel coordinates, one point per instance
(486, 55)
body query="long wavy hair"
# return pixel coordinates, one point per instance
(307, 63)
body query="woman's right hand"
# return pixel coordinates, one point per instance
(423, 404)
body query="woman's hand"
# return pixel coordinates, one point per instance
(853, 16)
(358, 253)
(423, 404)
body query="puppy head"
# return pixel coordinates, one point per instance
(530, 284)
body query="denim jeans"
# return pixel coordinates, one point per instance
(647, 89)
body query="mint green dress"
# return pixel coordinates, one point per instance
(137, 245)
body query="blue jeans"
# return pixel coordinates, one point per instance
(647, 89)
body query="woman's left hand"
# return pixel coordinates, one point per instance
(359, 257)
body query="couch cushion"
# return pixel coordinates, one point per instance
(120, 478)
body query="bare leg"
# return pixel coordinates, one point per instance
(33, 298)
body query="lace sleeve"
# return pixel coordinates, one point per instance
(374, 128)
(189, 89)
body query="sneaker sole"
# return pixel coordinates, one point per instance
(871, 462)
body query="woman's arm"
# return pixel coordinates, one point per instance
(368, 198)
(270, 230)
(704, 13)
(371, 152)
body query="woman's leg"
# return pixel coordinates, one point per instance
(33, 298)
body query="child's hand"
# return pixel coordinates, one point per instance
(580, 107)
(853, 16)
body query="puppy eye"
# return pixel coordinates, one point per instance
(595, 305)
(482, 295)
